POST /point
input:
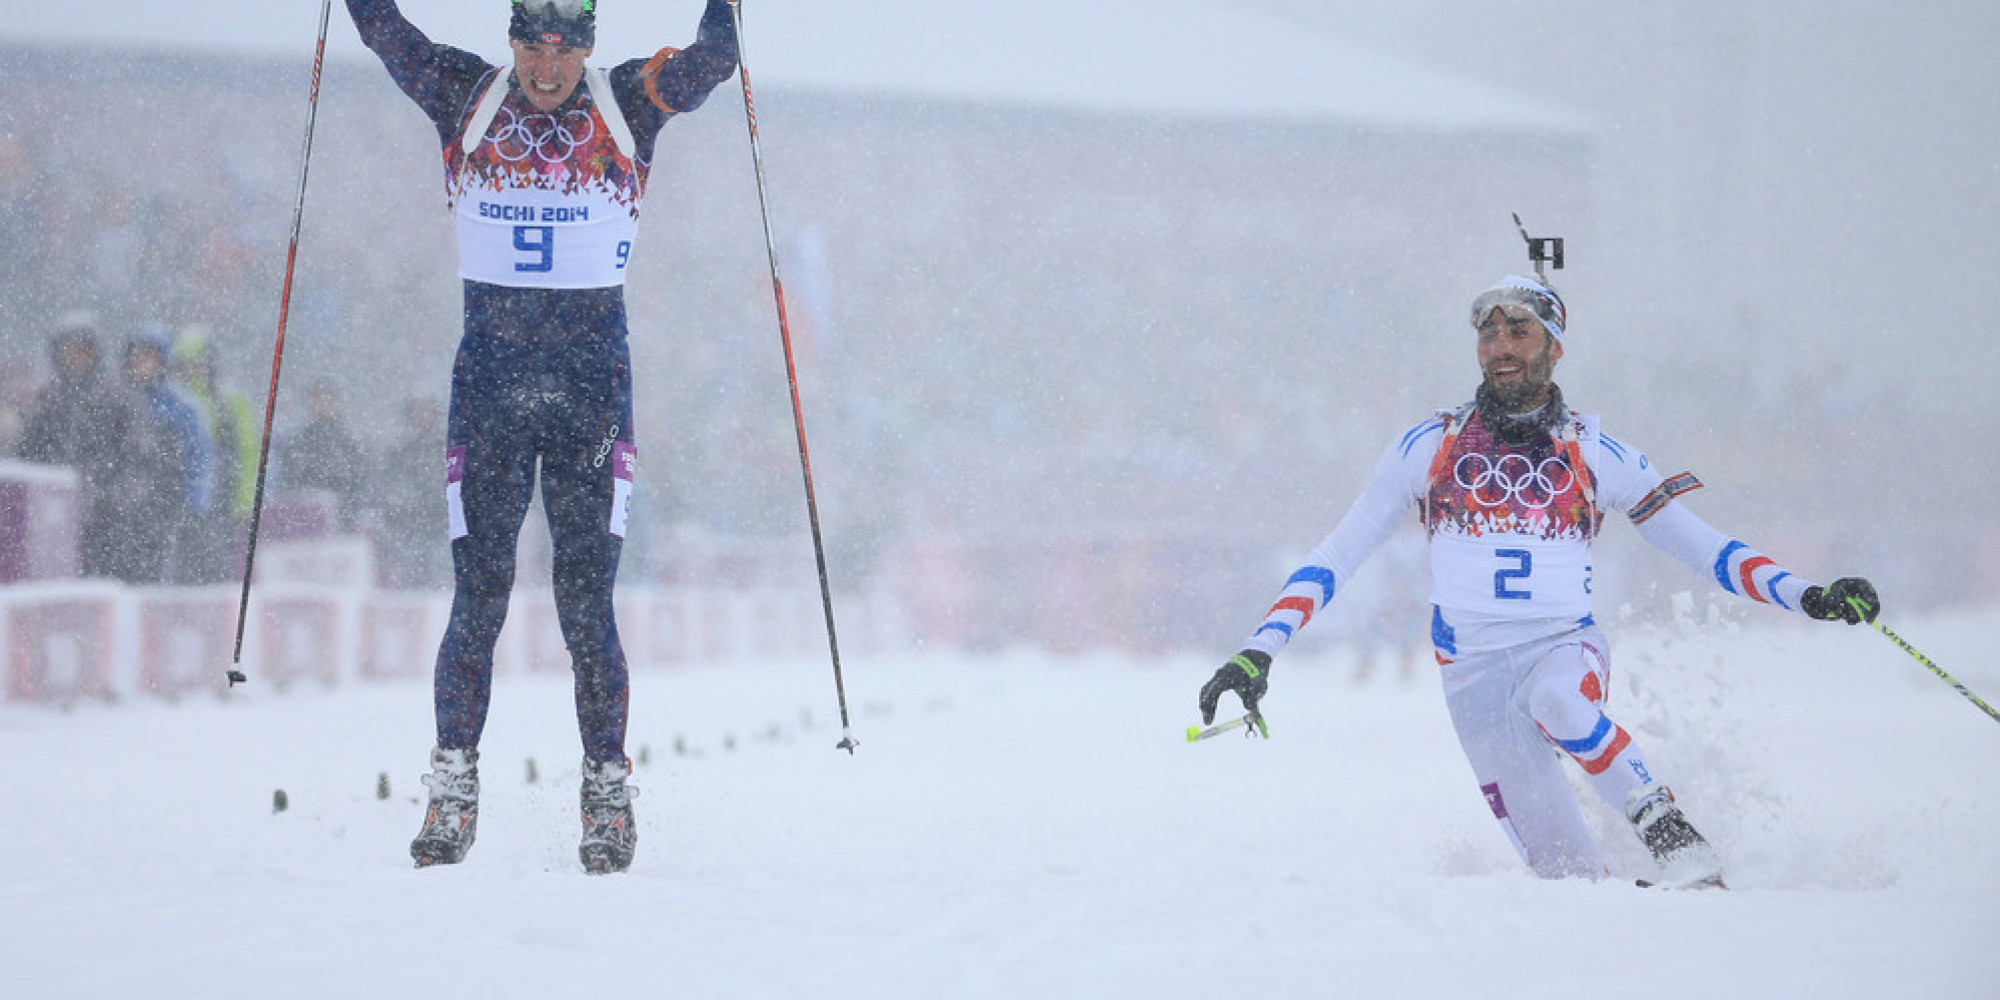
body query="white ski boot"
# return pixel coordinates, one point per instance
(609, 832)
(453, 816)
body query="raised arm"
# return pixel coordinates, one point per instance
(440, 78)
(674, 81)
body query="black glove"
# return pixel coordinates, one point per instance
(1247, 673)
(1830, 603)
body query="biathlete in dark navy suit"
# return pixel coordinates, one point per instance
(545, 165)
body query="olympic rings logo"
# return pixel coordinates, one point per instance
(542, 136)
(1514, 479)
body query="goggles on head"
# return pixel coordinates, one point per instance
(571, 23)
(1524, 293)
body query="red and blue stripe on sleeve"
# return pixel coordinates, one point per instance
(1743, 570)
(1305, 593)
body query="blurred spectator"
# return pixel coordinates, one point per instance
(12, 422)
(82, 421)
(210, 552)
(416, 549)
(322, 455)
(171, 461)
(22, 230)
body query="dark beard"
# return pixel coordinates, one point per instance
(1519, 428)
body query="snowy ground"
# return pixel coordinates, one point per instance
(1015, 826)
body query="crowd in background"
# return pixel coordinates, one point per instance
(167, 461)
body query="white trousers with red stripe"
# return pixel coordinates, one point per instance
(1519, 712)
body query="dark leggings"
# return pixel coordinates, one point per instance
(568, 409)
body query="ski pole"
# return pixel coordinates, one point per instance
(847, 740)
(1859, 606)
(1253, 720)
(278, 349)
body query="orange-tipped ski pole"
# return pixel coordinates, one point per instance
(847, 740)
(236, 675)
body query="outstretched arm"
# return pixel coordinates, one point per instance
(1734, 566)
(1382, 507)
(1372, 518)
(1739, 569)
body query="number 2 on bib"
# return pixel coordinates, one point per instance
(1505, 577)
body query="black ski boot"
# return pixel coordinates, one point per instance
(1686, 860)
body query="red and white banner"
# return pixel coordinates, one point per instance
(61, 643)
(99, 640)
(187, 638)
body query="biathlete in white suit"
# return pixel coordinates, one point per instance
(545, 164)
(1511, 489)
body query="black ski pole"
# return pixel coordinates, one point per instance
(278, 349)
(847, 740)
(1861, 608)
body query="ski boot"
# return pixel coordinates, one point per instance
(609, 832)
(1686, 860)
(453, 816)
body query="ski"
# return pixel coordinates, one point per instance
(1705, 882)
